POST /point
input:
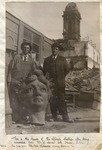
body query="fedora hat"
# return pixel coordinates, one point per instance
(56, 44)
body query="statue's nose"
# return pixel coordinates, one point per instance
(38, 92)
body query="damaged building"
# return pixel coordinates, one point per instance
(81, 53)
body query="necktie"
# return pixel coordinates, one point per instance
(54, 57)
(24, 58)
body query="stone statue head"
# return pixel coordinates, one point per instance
(35, 97)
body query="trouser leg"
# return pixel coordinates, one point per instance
(53, 107)
(15, 108)
(15, 105)
(62, 106)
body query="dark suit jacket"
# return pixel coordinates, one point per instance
(61, 70)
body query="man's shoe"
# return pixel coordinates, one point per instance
(52, 119)
(55, 119)
(68, 120)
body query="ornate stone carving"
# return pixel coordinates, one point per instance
(35, 98)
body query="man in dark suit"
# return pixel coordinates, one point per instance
(56, 67)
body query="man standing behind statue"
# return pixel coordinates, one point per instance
(22, 65)
(56, 67)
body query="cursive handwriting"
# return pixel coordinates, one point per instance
(53, 141)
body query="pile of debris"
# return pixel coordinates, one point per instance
(84, 80)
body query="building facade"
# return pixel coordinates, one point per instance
(81, 53)
(17, 32)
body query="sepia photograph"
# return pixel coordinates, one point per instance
(52, 67)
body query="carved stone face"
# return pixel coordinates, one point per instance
(37, 95)
(36, 99)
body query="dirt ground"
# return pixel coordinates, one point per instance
(85, 121)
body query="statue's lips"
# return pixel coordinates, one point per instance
(37, 100)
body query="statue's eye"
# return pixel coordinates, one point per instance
(43, 89)
(29, 90)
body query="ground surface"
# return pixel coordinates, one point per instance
(85, 121)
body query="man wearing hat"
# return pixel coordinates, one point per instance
(21, 66)
(56, 67)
